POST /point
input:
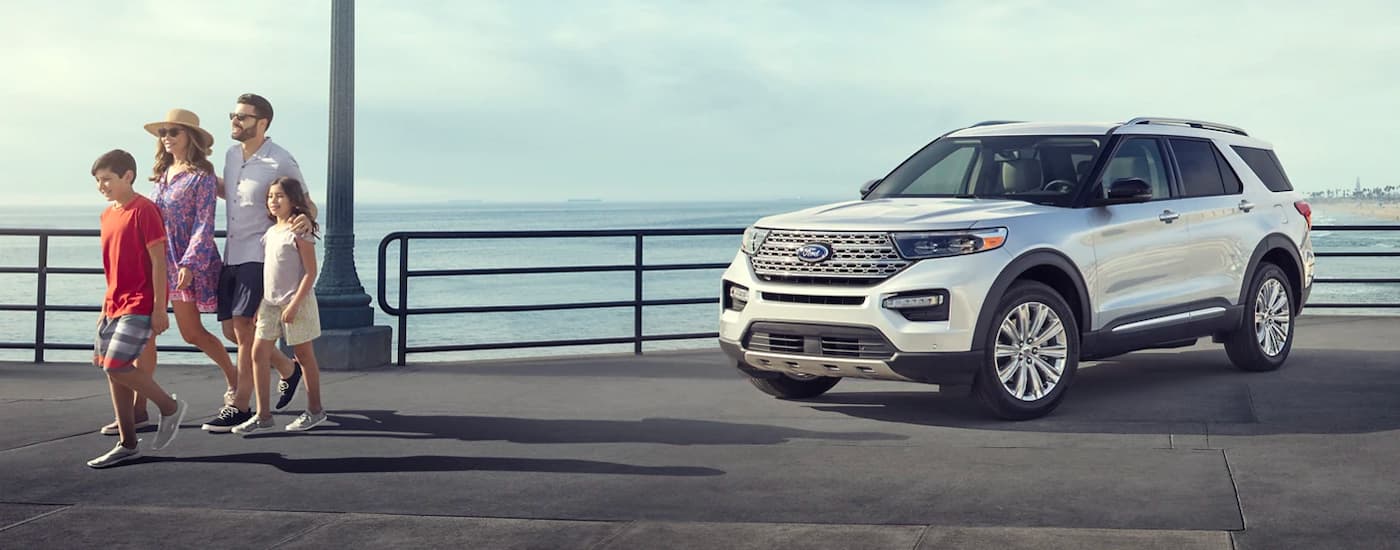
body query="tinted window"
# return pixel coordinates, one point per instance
(1138, 158)
(1227, 173)
(1266, 166)
(1200, 176)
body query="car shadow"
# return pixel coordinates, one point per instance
(1317, 391)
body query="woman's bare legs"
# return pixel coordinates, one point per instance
(194, 333)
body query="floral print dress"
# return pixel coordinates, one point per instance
(187, 204)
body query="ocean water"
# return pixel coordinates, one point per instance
(373, 222)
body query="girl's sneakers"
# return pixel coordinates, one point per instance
(306, 421)
(117, 455)
(254, 425)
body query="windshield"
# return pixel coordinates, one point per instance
(1043, 169)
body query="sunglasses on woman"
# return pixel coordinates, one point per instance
(172, 132)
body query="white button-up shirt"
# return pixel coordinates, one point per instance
(245, 194)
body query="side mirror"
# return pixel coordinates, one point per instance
(1128, 190)
(869, 186)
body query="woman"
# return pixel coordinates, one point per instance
(185, 192)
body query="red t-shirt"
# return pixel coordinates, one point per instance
(126, 232)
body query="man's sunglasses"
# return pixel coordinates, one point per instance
(173, 131)
(242, 116)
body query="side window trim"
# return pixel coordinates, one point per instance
(1223, 163)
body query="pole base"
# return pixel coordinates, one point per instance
(354, 348)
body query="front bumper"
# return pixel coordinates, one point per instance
(948, 368)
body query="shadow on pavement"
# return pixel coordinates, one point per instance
(432, 463)
(670, 431)
(1317, 391)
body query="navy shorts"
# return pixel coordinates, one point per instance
(240, 290)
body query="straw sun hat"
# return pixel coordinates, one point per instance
(184, 118)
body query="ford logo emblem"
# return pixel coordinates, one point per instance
(813, 252)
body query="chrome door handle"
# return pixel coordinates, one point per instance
(1246, 206)
(1167, 216)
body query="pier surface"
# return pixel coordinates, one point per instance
(1170, 449)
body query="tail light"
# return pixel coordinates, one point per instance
(1305, 210)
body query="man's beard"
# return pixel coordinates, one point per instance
(242, 134)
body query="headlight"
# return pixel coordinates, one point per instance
(939, 244)
(753, 238)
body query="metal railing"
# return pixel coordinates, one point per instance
(401, 311)
(638, 266)
(41, 305)
(1355, 280)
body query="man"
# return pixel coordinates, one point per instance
(250, 166)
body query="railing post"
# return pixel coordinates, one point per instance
(637, 298)
(39, 304)
(403, 301)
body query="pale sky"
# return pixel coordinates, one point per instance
(683, 100)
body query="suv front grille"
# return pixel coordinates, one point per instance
(818, 341)
(856, 258)
(823, 300)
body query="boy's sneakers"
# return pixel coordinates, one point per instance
(117, 455)
(228, 418)
(169, 425)
(254, 425)
(306, 421)
(111, 429)
(287, 388)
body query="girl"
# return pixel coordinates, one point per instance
(288, 305)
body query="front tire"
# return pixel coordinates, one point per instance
(1265, 335)
(786, 386)
(1032, 355)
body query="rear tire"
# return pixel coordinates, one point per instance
(785, 386)
(1265, 335)
(1032, 353)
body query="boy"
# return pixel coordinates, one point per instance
(133, 311)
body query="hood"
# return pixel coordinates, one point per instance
(904, 214)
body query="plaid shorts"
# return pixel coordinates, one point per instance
(120, 341)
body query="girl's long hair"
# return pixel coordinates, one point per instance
(198, 154)
(296, 193)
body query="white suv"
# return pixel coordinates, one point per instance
(1002, 254)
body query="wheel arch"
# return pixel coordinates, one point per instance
(1277, 249)
(1049, 267)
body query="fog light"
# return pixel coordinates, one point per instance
(735, 296)
(923, 305)
(910, 302)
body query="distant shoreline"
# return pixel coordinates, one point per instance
(1385, 211)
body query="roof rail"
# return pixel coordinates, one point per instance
(1200, 124)
(994, 123)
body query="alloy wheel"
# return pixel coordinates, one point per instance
(1031, 351)
(1271, 317)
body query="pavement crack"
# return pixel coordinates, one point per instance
(341, 518)
(622, 527)
(1235, 486)
(4, 528)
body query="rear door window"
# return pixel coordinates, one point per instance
(1200, 174)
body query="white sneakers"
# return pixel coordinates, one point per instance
(117, 455)
(306, 421)
(169, 425)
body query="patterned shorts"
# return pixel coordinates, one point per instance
(305, 327)
(120, 341)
